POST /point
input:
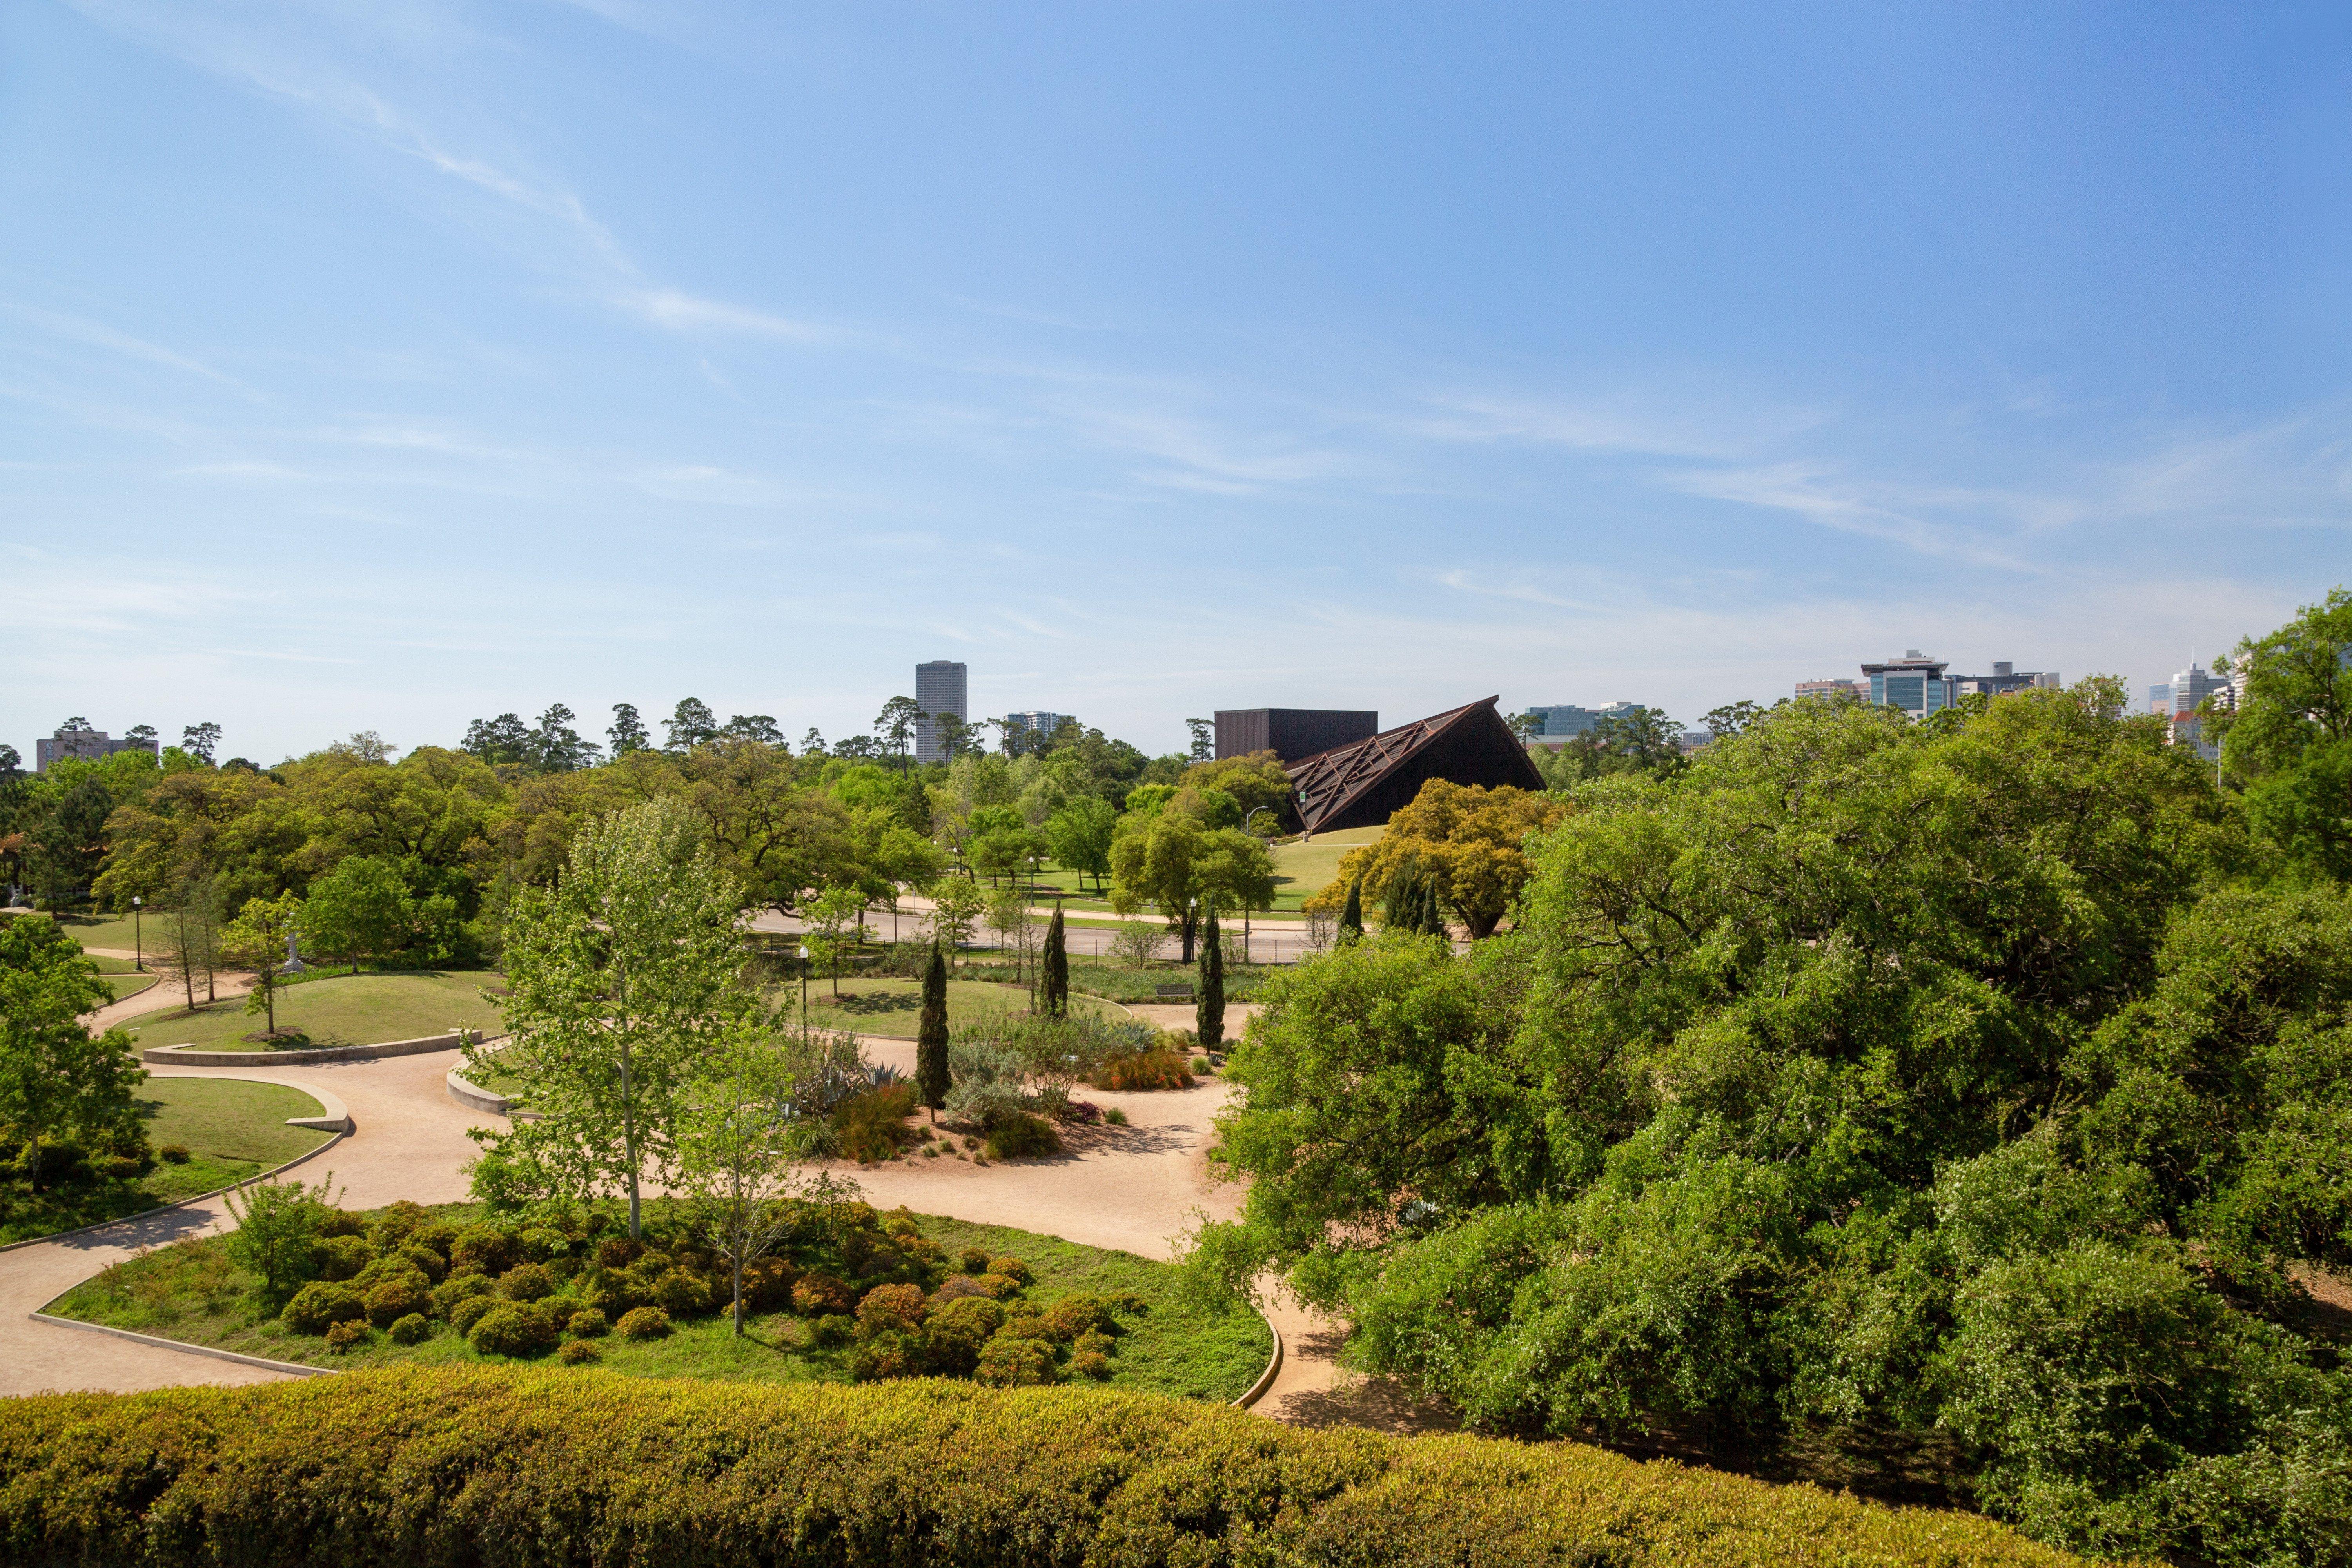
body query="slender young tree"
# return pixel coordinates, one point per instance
(1054, 991)
(624, 979)
(931, 1035)
(1209, 1011)
(738, 1150)
(1351, 918)
(260, 937)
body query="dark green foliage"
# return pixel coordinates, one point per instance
(1351, 915)
(1209, 1003)
(397, 1297)
(643, 1323)
(1413, 901)
(931, 1033)
(1019, 1133)
(320, 1305)
(2288, 743)
(515, 1329)
(412, 1329)
(1054, 971)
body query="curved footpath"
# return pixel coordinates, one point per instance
(1137, 1188)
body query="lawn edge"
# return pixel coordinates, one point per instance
(181, 1202)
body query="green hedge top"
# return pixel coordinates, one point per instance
(464, 1465)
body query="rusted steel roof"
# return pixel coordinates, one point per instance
(1329, 782)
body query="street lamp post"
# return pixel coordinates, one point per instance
(138, 948)
(1192, 920)
(804, 988)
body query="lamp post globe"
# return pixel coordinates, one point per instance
(138, 947)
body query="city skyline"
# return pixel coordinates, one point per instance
(1149, 361)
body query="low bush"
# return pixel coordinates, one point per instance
(587, 1325)
(1071, 1316)
(514, 1329)
(347, 1334)
(643, 1323)
(485, 1248)
(173, 1153)
(525, 1282)
(1008, 1363)
(1154, 1068)
(396, 1299)
(343, 1256)
(890, 1308)
(1013, 1136)
(1012, 1269)
(335, 1222)
(412, 1329)
(618, 1252)
(456, 1288)
(997, 1287)
(475, 1464)
(974, 1260)
(425, 1260)
(871, 1126)
(320, 1305)
(471, 1310)
(578, 1353)
(1115, 1117)
(682, 1294)
(543, 1244)
(1090, 1364)
(820, 1295)
(832, 1330)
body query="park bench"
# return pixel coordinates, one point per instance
(1172, 992)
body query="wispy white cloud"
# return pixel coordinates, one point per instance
(97, 333)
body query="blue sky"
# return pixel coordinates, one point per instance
(370, 363)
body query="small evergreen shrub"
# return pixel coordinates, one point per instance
(1020, 1134)
(643, 1323)
(587, 1325)
(396, 1223)
(320, 1305)
(997, 1287)
(960, 1287)
(344, 1335)
(681, 1295)
(525, 1282)
(1115, 1117)
(425, 1260)
(890, 1308)
(435, 1236)
(832, 1330)
(394, 1299)
(472, 1310)
(618, 1252)
(1007, 1362)
(485, 1248)
(768, 1284)
(1071, 1316)
(459, 1287)
(822, 1295)
(1011, 1268)
(173, 1153)
(1090, 1364)
(514, 1329)
(887, 1355)
(412, 1329)
(579, 1352)
(974, 1260)
(341, 1222)
(343, 1256)
(542, 1244)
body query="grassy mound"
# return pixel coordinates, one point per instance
(465, 1465)
(345, 1010)
(881, 1006)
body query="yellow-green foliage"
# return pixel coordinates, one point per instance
(464, 1465)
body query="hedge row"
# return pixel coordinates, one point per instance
(472, 1465)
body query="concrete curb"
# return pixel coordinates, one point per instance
(296, 1368)
(189, 1056)
(1272, 1367)
(474, 1097)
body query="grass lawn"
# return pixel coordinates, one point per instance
(1300, 871)
(231, 1130)
(102, 930)
(1096, 977)
(346, 1010)
(125, 986)
(187, 1291)
(883, 1005)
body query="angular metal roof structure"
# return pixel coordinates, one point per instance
(1364, 783)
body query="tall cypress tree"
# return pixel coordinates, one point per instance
(1209, 1012)
(931, 1035)
(1351, 919)
(1056, 987)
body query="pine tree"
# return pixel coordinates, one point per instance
(931, 1035)
(1351, 919)
(1057, 968)
(1209, 1012)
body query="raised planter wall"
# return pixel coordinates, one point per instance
(189, 1056)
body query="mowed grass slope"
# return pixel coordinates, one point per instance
(347, 1010)
(1301, 871)
(893, 1007)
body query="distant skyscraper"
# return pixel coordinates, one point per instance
(939, 690)
(1563, 722)
(1038, 721)
(1913, 683)
(2187, 692)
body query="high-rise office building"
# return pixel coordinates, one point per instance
(89, 745)
(938, 692)
(1038, 721)
(1913, 683)
(1561, 722)
(2181, 700)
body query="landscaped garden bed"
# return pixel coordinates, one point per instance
(855, 1295)
(201, 1135)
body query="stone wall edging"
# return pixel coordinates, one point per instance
(188, 1056)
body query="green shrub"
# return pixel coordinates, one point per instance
(335, 1222)
(485, 1248)
(820, 1295)
(395, 1223)
(1090, 1364)
(344, 1335)
(1011, 1137)
(590, 1324)
(1155, 1069)
(617, 1251)
(579, 1352)
(412, 1329)
(871, 1126)
(471, 1310)
(477, 1464)
(888, 1355)
(1012, 1269)
(611, 1291)
(173, 1153)
(974, 1260)
(835, 1329)
(456, 1288)
(320, 1305)
(396, 1299)
(1008, 1363)
(768, 1284)
(525, 1282)
(1115, 1117)
(542, 1244)
(643, 1323)
(997, 1287)
(514, 1329)
(425, 1260)
(435, 1236)
(343, 1256)
(1071, 1316)
(890, 1308)
(680, 1294)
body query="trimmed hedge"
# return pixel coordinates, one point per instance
(465, 1465)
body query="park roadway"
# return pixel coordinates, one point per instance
(1137, 1188)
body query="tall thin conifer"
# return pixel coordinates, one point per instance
(1209, 1011)
(931, 1035)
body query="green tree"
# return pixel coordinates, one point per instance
(931, 1035)
(1080, 835)
(628, 731)
(1209, 1006)
(895, 726)
(737, 1149)
(623, 978)
(259, 939)
(829, 929)
(2289, 739)
(1169, 861)
(690, 723)
(278, 1225)
(956, 906)
(1053, 974)
(358, 910)
(1351, 916)
(56, 1079)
